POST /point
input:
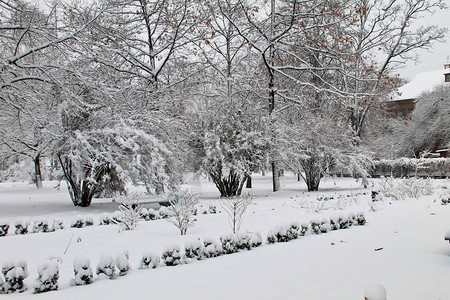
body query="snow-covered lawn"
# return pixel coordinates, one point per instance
(401, 247)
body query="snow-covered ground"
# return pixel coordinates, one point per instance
(401, 247)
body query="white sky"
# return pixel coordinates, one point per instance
(435, 58)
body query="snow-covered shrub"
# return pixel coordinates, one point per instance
(4, 227)
(153, 214)
(360, 218)
(315, 226)
(304, 228)
(212, 248)
(104, 219)
(130, 212)
(255, 240)
(58, 224)
(82, 270)
(164, 212)
(182, 207)
(282, 234)
(235, 207)
(334, 222)
(78, 222)
(243, 241)
(293, 230)
(351, 219)
(271, 237)
(122, 263)
(445, 201)
(14, 275)
(229, 243)
(149, 261)
(41, 226)
(21, 227)
(106, 267)
(343, 222)
(201, 210)
(172, 256)
(194, 249)
(212, 209)
(89, 221)
(325, 226)
(144, 214)
(48, 275)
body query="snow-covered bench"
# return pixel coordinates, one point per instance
(447, 236)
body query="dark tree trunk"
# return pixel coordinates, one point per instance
(249, 182)
(82, 191)
(37, 171)
(230, 185)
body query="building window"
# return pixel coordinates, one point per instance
(447, 77)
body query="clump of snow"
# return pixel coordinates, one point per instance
(14, 274)
(4, 227)
(48, 275)
(149, 260)
(164, 212)
(21, 227)
(144, 214)
(153, 214)
(375, 292)
(82, 270)
(325, 225)
(106, 267)
(122, 263)
(271, 237)
(172, 256)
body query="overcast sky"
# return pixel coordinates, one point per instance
(438, 55)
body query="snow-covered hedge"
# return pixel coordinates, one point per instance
(172, 256)
(404, 167)
(122, 263)
(21, 227)
(149, 261)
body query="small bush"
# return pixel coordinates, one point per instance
(14, 275)
(164, 212)
(360, 219)
(106, 267)
(271, 237)
(212, 209)
(255, 240)
(334, 223)
(293, 231)
(171, 256)
(304, 228)
(229, 243)
(4, 227)
(243, 241)
(149, 261)
(194, 250)
(104, 219)
(211, 248)
(315, 226)
(89, 221)
(282, 234)
(41, 226)
(58, 224)
(153, 214)
(78, 222)
(123, 263)
(343, 222)
(48, 275)
(325, 226)
(116, 217)
(144, 214)
(82, 270)
(21, 227)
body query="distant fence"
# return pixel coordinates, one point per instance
(407, 167)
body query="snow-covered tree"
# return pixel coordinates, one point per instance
(429, 126)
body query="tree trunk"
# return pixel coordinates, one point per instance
(249, 182)
(313, 174)
(37, 171)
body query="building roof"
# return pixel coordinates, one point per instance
(422, 82)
